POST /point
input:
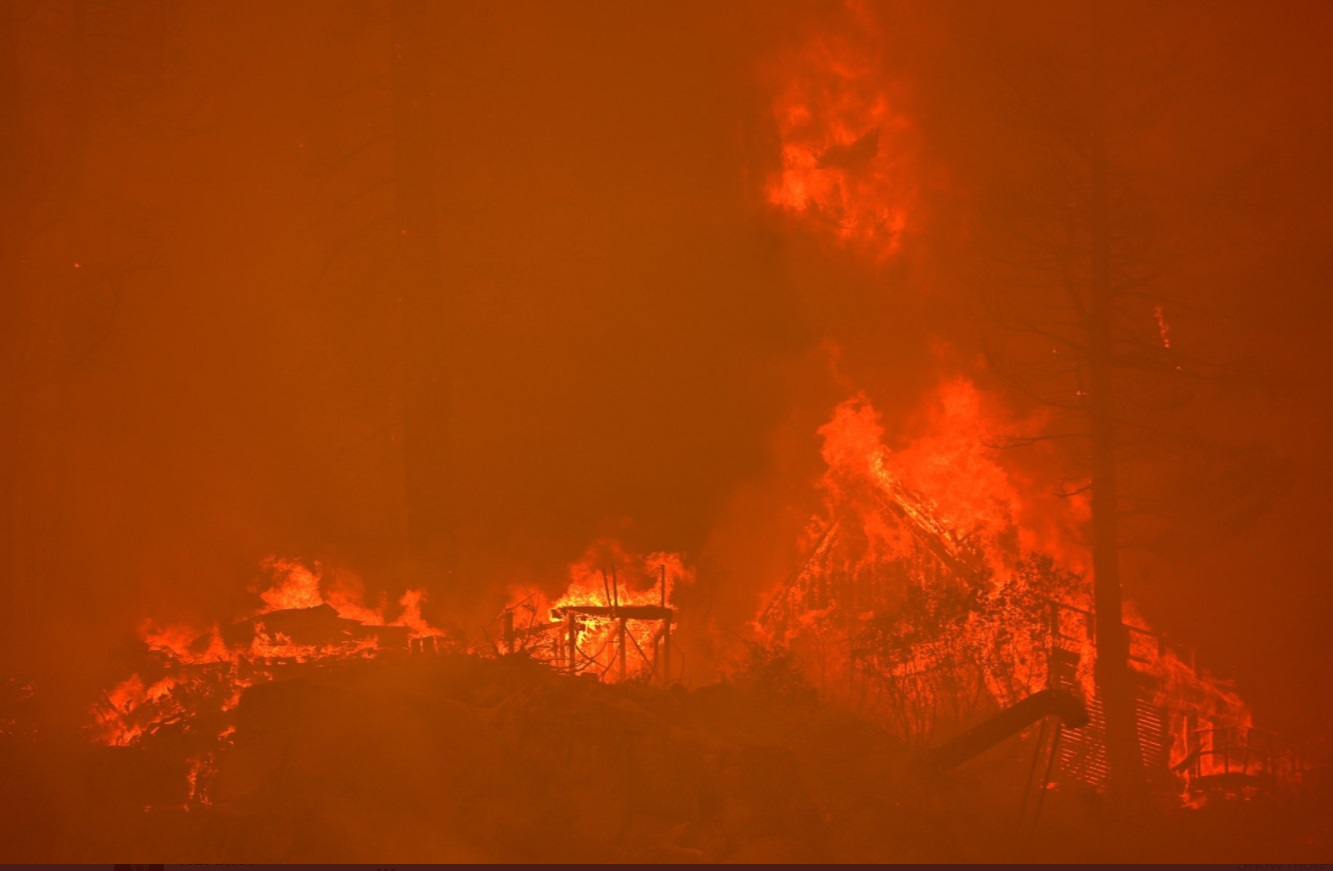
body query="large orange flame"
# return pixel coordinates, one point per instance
(846, 146)
(935, 589)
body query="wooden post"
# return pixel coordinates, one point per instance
(615, 613)
(666, 629)
(666, 649)
(1046, 778)
(624, 654)
(573, 640)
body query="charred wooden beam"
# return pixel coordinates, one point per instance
(628, 612)
(1012, 720)
(961, 559)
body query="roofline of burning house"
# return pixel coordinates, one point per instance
(629, 612)
(956, 554)
(915, 513)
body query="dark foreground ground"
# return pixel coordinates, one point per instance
(450, 759)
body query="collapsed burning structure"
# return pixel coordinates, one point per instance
(601, 625)
(186, 693)
(191, 681)
(900, 613)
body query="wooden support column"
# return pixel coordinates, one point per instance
(666, 628)
(573, 635)
(624, 654)
(666, 649)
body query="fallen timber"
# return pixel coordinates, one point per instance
(1073, 714)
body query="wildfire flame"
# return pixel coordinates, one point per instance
(302, 619)
(308, 618)
(934, 585)
(608, 587)
(949, 595)
(845, 145)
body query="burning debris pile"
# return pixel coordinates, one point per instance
(614, 619)
(307, 732)
(193, 680)
(613, 624)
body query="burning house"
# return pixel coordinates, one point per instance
(899, 613)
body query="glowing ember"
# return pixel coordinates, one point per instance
(1163, 328)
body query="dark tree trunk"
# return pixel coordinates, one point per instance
(426, 404)
(1113, 675)
(12, 316)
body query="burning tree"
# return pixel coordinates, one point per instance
(847, 146)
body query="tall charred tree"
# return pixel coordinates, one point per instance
(1113, 674)
(13, 215)
(1074, 280)
(427, 386)
(1071, 219)
(371, 166)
